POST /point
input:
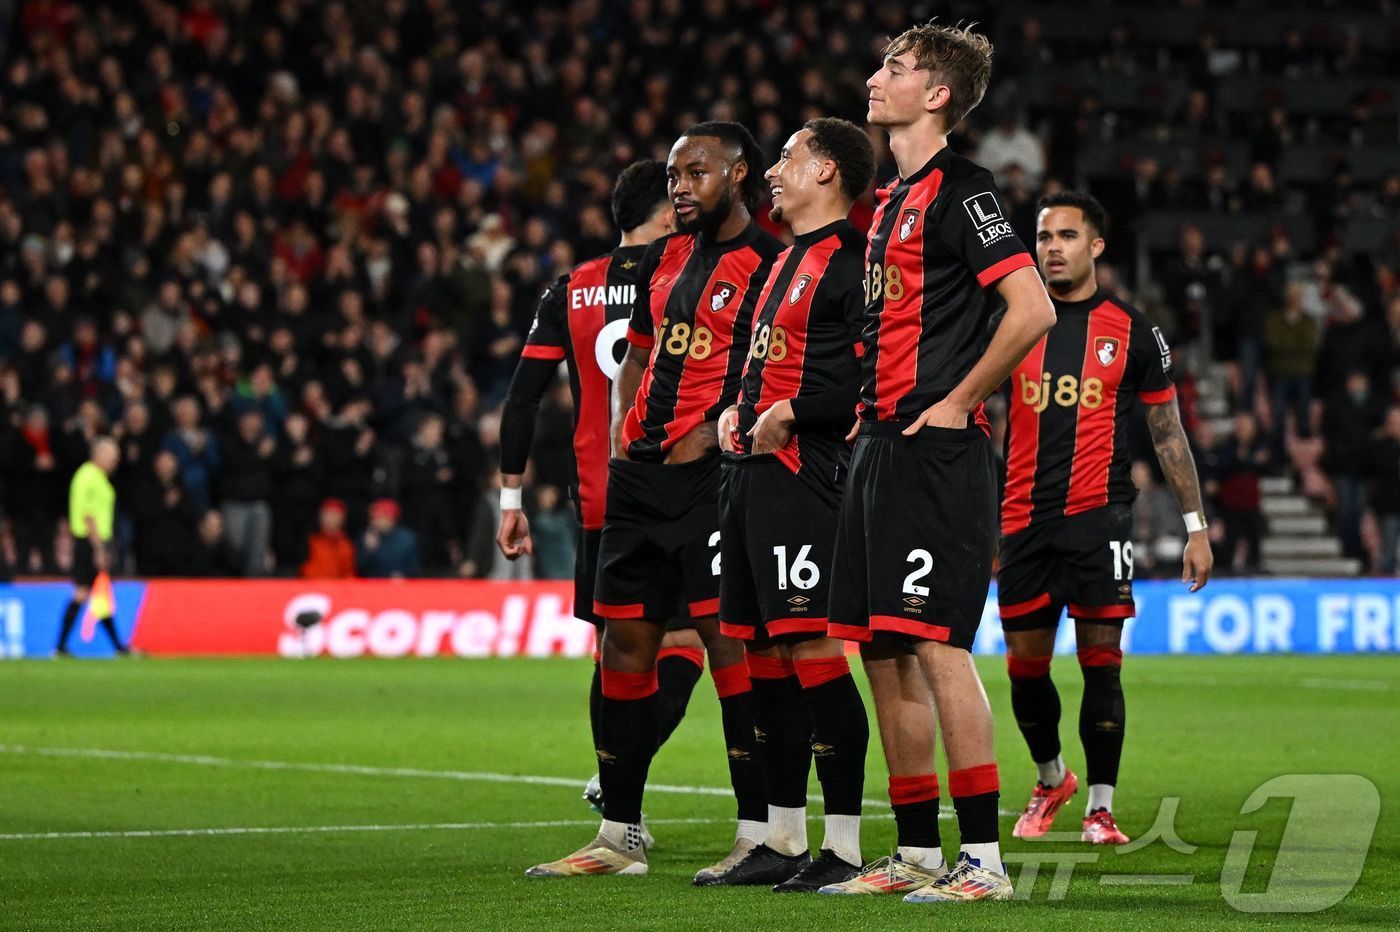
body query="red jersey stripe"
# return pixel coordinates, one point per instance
(593, 404)
(1024, 426)
(902, 318)
(995, 273)
(1094, 427)
(539, 351)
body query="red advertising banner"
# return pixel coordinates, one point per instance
(361, 618)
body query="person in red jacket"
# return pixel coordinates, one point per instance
(329, 552)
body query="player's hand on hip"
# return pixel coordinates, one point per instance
(853, 432)
(1197, 561)
(514, 536)
(727, 427)
(773, 429)
(947, 413)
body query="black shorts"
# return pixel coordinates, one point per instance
(659, 552)
(917, 535)
(777, 534)
(84, 562)
(585, 576)
(1083, 562)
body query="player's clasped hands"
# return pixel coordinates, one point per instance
(773, 429)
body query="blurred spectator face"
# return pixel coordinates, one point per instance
(211, 528)
(430, 433)
(1293, 299)
(32, 336)
(187, 414)
(1066, 247)
(250, 426)
(297, 427)
(702, 183)
(261, 381)
(9, 293)
(1193, 242)
(1245, 428)
(37, 420)
(137, 419)
(1142, 474)
(383, 515)
(1392, 423)
(1358, 387)
(332, 516)
(167, 467)
(106, 454)
(85, 334)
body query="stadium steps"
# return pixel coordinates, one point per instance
(1314, 567)
(1299, 542)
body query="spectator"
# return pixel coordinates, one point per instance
(424, 487)
(387, 550)
(1291, 341)
(330, 553)
(1242, 459)
(555, 530)
(1157, 537)
(196, 450)
(1384, 462)
(246, 490)
(211, 556)
(36, 491)
(298, 474)
(166, 518)
(1348, 420)
(1011, 143)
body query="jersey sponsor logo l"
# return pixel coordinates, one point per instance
(983, 209)
(1106, 350)
(799, 287)
(1163, 348)
(721, 294)
(907, 222)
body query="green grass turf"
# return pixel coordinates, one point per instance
(1207, 730)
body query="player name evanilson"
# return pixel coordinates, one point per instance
(602, 294)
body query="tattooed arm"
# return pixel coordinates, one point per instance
(1174, 453)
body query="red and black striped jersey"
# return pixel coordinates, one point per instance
(805, 347)
(1068, 404)
(582, 319)
(694, 311)
(939, 241)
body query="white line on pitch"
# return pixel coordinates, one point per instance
(308, 829)
(205, 760)
(356, 769)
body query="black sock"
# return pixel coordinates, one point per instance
(1102, 717)
(595, 702)
(70, 618)
(1036, 705)
(783, 731)
(745, 766)
(914, 800)
(627, 733)
(840, 732)
(976, 792)
(109, 626)
(677, 672)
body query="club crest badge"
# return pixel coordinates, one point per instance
(1106, 349)
(799, 288)
(907, 221)
(721, 294)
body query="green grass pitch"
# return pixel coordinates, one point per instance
(403, 750)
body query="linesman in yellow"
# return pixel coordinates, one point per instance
(91, 505)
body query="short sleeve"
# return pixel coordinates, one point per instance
(1153, 364)
(641, 327)
(978, 231)
(547, 336)
(848, 297)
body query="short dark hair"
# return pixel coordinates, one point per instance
(640, 187)
(736, 134)
(1088, 205)
(849, 147)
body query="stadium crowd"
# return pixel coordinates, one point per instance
(286, 253)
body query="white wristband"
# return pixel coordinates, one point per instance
(1195, 521)
(510, 499)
